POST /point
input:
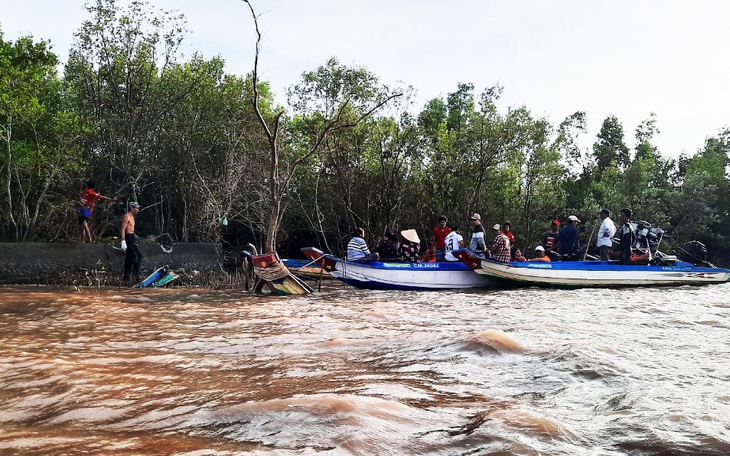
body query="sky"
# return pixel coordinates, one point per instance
(626, 58)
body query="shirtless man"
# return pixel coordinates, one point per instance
(133, 255)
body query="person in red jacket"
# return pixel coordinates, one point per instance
(86, 207)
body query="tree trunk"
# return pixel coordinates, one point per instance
(274, 219)
(9, 178)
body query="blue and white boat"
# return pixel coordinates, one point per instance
(579, 274)
(393, 275)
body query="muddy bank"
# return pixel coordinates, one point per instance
(102, 264)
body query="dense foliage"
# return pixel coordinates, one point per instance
(182, 137)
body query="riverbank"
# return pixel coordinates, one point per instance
(99, 264)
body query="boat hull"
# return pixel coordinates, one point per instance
(581, 274)
(400, 276)
(278, 278)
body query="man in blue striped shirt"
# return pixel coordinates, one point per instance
(357, 249)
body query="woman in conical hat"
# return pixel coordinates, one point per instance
(411, 236)
(410, 248)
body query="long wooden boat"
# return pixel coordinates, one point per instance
(306, 268)
(579, 274)
(392, 275)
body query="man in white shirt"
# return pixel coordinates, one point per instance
(453, 241)
(605, 233)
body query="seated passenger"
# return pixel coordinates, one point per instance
(388, 248)
(518, 256)
(410, 247)
(540, 254)
(453, 241)
(357, 249)
(429, 256)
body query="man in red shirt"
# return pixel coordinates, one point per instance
(88, 199)
(438, 237)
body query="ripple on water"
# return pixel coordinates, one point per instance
(528, 372)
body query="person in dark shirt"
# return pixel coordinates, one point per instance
(628, 236)
(388, 248)
(549, 240)
(568, 240)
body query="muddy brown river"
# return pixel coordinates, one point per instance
(351, 372)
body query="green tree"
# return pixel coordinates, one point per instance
(610, 150)
(703, 211)
(38, 135)
(118, 71)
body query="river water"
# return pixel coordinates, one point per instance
(345, 371)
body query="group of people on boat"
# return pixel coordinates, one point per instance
(564, 243)
(560, 242)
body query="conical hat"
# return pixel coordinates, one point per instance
(411, 236)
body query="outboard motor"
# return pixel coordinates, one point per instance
(642, 230)
(655, 238)
(693, 252)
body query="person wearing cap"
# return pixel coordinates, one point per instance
(628, 236)
(500, 250)
(477, 244)
(540, 254)
(549, 239)
(133, 256)
(605, 234)
(568, 239)
(453, 242)
(438, 237)
(410, 247)
(357, 248)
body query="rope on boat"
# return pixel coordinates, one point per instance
(272, 272)
(311, 262)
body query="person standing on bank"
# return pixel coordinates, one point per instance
(628, 237)
(88, 199)
(605, 234)
(438, 236)
(477, 244)
(133, 256)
